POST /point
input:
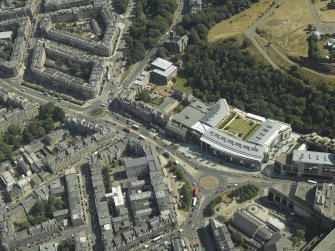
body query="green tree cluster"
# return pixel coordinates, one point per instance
(186, 189)
(298, 236)
(43, 210)
(211, 207)
(15, 136)
(144, 96)
(331, 4)
(74, 67)
(314, 52)
(245, 193)
(237, 238)
(6, 51)
(152, 19)
(66, 245)
(48, 114)
(107, 179)
(120, 5)
(177, 171)
(223, 69)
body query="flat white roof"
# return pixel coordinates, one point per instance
(117, 196)
(255, 117)
(311, 157)
(228, 144)
(268, 132)
(166, 72)
(6, 34)
(161, 64)
(200, 127)
(276, 223)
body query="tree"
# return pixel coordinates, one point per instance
(59, 114)
(237, 238)
(161, 52)
(310, 27)
(38, 209)
(66, 245)
(14, 130)
(5, 150)
(40, 131)
(48, 125)
(76, 67)
(332, 56)
(46, 110)
(151, 21)
(144, 96)
(54, 204)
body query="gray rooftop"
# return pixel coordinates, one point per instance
(217, 113)
(225, 143)
(221, 236)
(161, 64)
(166, 72)
(191, 114)
(165, 104)
(328, 243)
(268, 131)
(251, 226)
(141, 196)
(6, 34)
(278, 242)
(311, 157)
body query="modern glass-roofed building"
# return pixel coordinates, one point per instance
(229, 133)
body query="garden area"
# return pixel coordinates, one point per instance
(96, 112)
(186, 189)
(244, 193)
(240, 126)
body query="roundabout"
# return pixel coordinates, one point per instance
(209, 182)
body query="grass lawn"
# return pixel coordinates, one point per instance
(324, 52)
(97, 112)
(156, 101)
(325, 15)
(238, 23)
(240, 126)
(286, 65)
(127, 72)
(252, 131)
(180, 85)
(285, 28)
(226, 120)
(226, 199)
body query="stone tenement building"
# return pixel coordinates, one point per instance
(12, 13)
(22, 26)
(24, 110)
(102, 48)
(61, 80)
(54, 5)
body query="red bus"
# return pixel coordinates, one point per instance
(127, 129)
(196, 191)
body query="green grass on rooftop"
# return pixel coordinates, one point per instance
(241, 126)
(252, 131)
(226, 120)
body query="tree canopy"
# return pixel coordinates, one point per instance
(16, 135)
(151, 20)
(224, 69)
